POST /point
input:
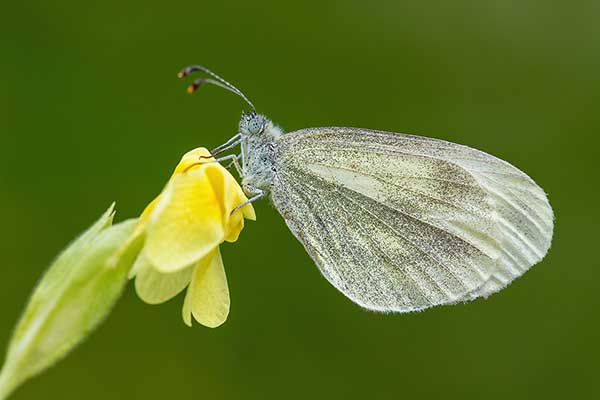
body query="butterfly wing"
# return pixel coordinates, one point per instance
(402, 223)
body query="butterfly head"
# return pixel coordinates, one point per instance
(253, 124)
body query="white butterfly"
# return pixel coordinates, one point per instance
(395, 222)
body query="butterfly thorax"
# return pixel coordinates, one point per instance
(259, 137)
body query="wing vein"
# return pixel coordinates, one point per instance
(410, 242)
(414, 217)
(471, 212)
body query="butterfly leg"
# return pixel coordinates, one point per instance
(255, 193)
(229, 144)
(234, 141)
(234, 161)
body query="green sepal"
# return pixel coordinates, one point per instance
(75, 294)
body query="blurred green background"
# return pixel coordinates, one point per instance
(91, 111)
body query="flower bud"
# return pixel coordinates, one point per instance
(73, 297)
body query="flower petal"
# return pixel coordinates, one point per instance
(186, 311)
(248, 210)
(197, 156)
(155, 287)
(186, 223)
(145, 217)
(187, 162)
(208, 295)
(231, 195)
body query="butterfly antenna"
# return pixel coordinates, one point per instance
(217, 80)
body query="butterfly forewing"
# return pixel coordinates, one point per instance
(400, 223)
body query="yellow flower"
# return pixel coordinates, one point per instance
(183, 228)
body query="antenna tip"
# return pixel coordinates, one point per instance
(191, 89)
(184, 72)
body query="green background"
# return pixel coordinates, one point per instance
(91, 111)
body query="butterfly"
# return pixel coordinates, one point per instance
(395, 222)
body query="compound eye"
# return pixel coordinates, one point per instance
(255, 125)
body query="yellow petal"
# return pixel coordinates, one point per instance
(141, 227)
(143, 221)
(225, 186)
(186, 311)
(231, 196)
(233, 231)
(208, 295)
(187, 162)
(248, 210)
(197, 156)
(186, 223)
(155, 287)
